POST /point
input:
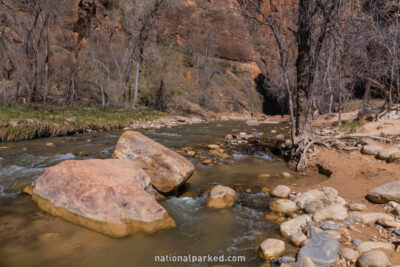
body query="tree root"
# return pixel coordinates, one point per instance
(304, 144)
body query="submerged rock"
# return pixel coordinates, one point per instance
(114, 197)
(221, 197)
(385, 193)
(166, 168)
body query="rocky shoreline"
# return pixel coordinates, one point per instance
(327, 229)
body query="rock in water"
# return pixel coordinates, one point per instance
(221, 197)
(322, 249)
(385, 193)
(375, 258)
(110, 196)
(283, 206)
(271, 248)
(281, 191)
(166, 168)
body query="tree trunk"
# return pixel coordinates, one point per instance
(46, 66)
(135, 96)
(303, 65)
(291, 105)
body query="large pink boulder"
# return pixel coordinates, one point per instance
(166, 168)
(112, 196)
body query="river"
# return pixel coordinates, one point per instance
(30, 237)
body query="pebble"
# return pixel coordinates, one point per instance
(328, 225)
(356, 242)
(396, 232)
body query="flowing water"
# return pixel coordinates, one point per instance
(30, 237)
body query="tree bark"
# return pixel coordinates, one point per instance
(135, 96)
(303, 65)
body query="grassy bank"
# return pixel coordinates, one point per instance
(24, 122)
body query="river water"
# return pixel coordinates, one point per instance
(30, 237)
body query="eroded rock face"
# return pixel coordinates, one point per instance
(385, 193)
(225, 28)
(110, 196)
(166, 168)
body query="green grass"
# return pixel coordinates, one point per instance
(351, 127)
(23, 122)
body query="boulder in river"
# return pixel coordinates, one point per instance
(112, 196)
(271, 248)
(166, 168)
(221, 197)
(281, 191)
(385, 193)
(285, 206)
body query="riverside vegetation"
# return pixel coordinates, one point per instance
(18, 123)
